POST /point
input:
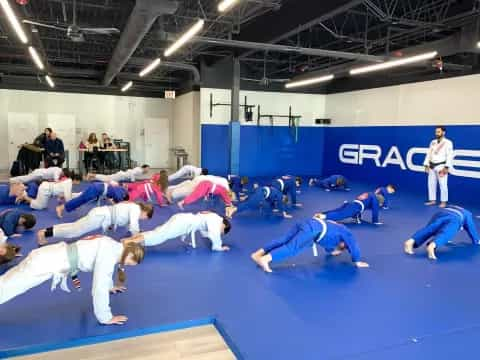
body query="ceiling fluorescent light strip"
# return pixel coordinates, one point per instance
(307, 82)
(394, 63)
(226, 5)
(152, 66)
(12, 18)
(185, 38)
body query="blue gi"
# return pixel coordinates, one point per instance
(327, 234)
(366, 201)
(384, 192)
(287, 185)
(331, 182)
(263, 196)
(9, 221)
(6, 199)
(445, 224)
(93, 192)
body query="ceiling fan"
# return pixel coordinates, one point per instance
(73, 31)
(265, 81)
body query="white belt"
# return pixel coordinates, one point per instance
(148, 191)
(458, 212)
(361, 204)
(324, 230)
(282, 184)
(214, 187)
(267, 192)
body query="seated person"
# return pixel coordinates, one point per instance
(54, 151)
(108, 158)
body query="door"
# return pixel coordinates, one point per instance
(22, 128)
(157, 142)
(64, 126)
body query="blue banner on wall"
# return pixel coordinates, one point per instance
(395, 154)
(265, 150)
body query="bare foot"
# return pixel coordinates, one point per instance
(408, 246)
(310, 182)
(430, 203)
(264, 264)
(443, 204)
(431, 251)
(231, 211)
(336, 252)
(41, 239)
(59, 209)
(257, 255)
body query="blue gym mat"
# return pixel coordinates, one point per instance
(309, 308)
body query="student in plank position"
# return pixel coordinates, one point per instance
(131, 175)
(334, 182)
(206, 189)
(355, 209)
(50, 174)
(182, 190)
(150, 190)
(95, 191)
(442, 227)
(187, 171)
(386, 191)
(103, 217)
(209, 224)
(334, 237)
(61, 189)
(288, 186)
(263, 196)
(100, 255)
(13, 222)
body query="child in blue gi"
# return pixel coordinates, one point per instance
(334, 237)
(443, 226)
(13, 221)
(263, 196)
(288, 186)
(94, 191)
(355, 208)
(237, 184)
(334, 182)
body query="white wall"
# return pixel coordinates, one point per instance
(120, 117)
(310, 107)
(448, 101)
(186, 125)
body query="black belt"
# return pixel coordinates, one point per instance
(434, 165)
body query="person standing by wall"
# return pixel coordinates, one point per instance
(437, 165)
(55, 151)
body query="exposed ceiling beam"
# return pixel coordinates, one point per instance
(143, 16)
(267, 47)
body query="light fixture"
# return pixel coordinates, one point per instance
(127, 86)
(226, 4)
(13, 21)
(49, 81)
(185, 37)
(393, 63)
(478, 44)
(311, 81)
(150, 67)
(36, 58)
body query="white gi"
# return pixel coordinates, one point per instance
(49, 174)
(185, 188)
(129, 175)
(189, 171)
(99, 255)
(184, 224)
(440, 155)
(46, 190)
(104, 217)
